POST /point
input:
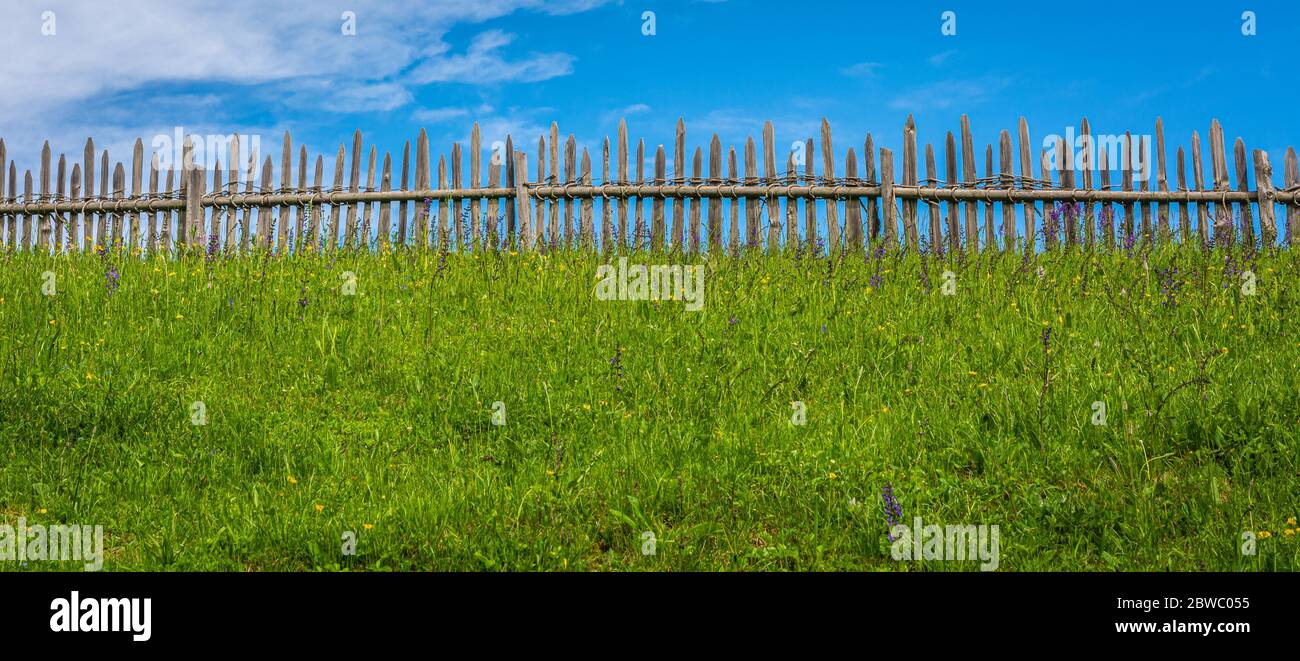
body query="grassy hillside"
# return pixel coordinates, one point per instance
(325, 410)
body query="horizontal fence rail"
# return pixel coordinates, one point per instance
(890, 206)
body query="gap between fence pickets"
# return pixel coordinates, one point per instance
(50, 213)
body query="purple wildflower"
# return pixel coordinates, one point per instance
(893, 512)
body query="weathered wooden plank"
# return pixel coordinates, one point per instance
(606, 227)
(362, 238)
(1291, 174)
(45, 222)
(266, 238)
(26, 242)
(734, 232)
(873, 205)
(791, 206)
(887, 199)
(622, 239)
(247, 237)
(715, 204)
(1028, 210)
(1006, 181)
(232, 187)
(989, 238)
(300, 212)
(1224, 234)
(13, 220)
(1065, 163)
(557, 230)
(313, 219)
(1184, 217)
(1162, 184)
(354, 184)
(402, 222)
(5, 239)
(282, 224)
(137, 182)
(1202, 209)
(951, 181)
(169, 234)
(697, 169)
(572, 221)
(832, 206)
(1243, 185)
(337, 211)
(214, 231)
(545, 236)
(640, 237)
(1144, 159)
(774, 221)
(935, 224)
(910, 209)
(492, 230)
(657, 227)
(545, 239)
(453, 226)
(104, 233)
(1106, 214)
(438, 234)
(74, 194)
(476, 181)
(60, 223)
(968, 179)
(522, 206)
(587, 212)
(679, 175)
(1127, 207)
(384, 238)
(511, 240)
(1264, 198)
(421, 214)
(119, 192)
(192, 178)
(88, 190)
(852, 206)
(1088, 162)
(753, 218)
(809, 205)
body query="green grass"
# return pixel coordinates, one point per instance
(372, 412)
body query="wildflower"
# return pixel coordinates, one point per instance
(293, 480)
(893, 513)
(319, 507)
(1290, 521)
(367, 526)
(831, 475)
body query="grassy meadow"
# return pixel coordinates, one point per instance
(326, 410)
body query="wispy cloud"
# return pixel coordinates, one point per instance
(939, 58)
(483, 63)
(862, 69)
(948, 93)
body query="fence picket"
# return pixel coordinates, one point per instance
(1243, 185)
(1264, 197)
(909, 179)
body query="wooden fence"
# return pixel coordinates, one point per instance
(206, 209)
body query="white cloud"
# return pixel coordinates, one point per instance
(939, 58)
(862, 69)
(948, 93)
(483, 63)
(124, 67)
(438, 115)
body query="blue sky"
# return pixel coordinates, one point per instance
(142, 68)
